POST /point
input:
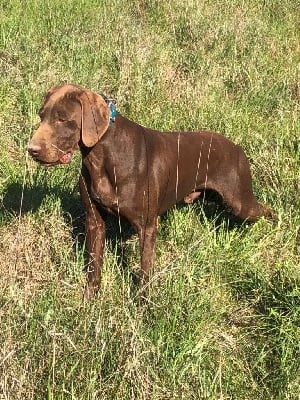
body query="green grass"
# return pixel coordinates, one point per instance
(222, 320)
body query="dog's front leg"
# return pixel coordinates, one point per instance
(95, 240)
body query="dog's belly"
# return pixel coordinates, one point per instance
(195, 161)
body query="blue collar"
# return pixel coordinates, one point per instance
(112, 108)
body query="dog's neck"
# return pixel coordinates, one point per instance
(111, 103)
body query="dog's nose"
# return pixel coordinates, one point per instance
(34, 149)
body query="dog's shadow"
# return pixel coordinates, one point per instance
(20, 200)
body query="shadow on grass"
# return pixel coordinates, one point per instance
(19, 200)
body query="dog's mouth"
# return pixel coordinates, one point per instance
(64, 159)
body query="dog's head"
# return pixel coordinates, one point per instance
(70, 117)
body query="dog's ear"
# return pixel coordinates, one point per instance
(94, 117)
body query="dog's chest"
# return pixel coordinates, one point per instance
(101, 188)
(103, 192)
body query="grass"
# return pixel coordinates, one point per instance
(222, 317)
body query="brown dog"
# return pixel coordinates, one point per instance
(136, 172)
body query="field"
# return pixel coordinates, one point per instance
(222, 318)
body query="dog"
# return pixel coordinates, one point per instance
(136, 172)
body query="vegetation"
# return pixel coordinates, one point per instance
(222, 320)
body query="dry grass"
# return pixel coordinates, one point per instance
(33, 254)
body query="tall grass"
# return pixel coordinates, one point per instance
(222, 317)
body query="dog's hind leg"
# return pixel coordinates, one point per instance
(147, 240)
(248, 208)
(240, 198)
